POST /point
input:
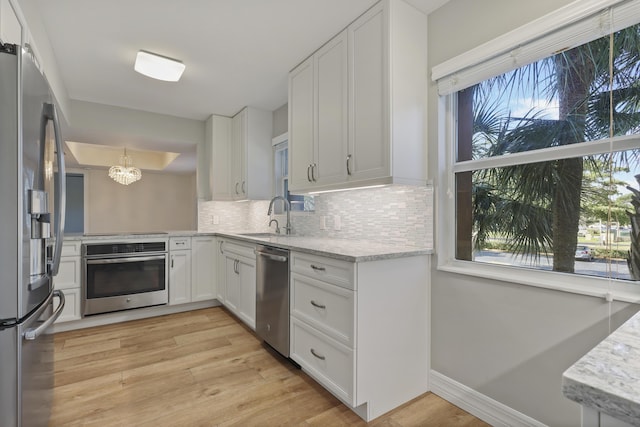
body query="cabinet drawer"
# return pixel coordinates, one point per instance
(326, 307)
(325, 359)
(178, 243)
(239, 249)
(340, 273)
(71, 248)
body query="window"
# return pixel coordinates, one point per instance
(281, 169)
(544, 157)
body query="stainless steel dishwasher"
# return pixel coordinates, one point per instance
(272, 297)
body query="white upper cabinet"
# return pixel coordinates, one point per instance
(218, 142)
(301, 125)
(367, 107)
(239, 150)
(330, 131)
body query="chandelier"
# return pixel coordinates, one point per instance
(124, 173)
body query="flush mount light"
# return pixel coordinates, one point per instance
(158, 66)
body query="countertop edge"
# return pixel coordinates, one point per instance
(387, 251)
(292, 246)
(601, 379)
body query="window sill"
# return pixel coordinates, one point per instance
(608, 289)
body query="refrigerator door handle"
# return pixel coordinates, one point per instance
(49, 113)
(33, 333)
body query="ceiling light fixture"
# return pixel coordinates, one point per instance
(124, 173)
(158, 67)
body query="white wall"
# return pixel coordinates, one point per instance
(281, 120)
(158, 202)
(507, 341)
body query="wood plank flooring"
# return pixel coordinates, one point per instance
(202, 368)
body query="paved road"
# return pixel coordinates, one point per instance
(619, 269)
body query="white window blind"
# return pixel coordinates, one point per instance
(577, 23)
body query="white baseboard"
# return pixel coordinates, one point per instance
(479, 405)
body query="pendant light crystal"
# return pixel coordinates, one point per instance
(125, 173)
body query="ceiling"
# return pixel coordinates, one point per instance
(236, 52)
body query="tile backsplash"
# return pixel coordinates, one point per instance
(393, 214)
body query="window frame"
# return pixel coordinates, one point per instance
(444, 74)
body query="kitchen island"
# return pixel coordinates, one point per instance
(606, 381)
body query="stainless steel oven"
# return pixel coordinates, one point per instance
(120, 276)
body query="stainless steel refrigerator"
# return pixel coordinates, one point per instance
(31, 231)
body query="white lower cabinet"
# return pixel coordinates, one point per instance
(593, 418)
(238, 280)
(361, 329)
(179, 270)
(203, 268)
(192, 269)
(69, 281)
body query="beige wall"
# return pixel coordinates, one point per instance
(158, 202)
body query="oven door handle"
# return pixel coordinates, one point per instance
(124, 260)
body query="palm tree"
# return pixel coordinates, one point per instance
(536, 206)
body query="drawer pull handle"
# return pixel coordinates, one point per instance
(315, 304)
(315, 267)
(317, 355)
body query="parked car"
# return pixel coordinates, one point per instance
(584, 253)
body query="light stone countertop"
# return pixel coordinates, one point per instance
(136, 235)
(607, 378)
(343, 249)
(348, 250)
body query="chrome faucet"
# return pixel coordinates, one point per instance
(287, 207)
(277, 226)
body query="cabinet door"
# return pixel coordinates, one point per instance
(238, 155)
(301, 125)
(221, 273)
(71, 310)
(247, 277)
(369, 149)
(232, 285)
(68, 276)
(218, 131)
(331, 118)
(180, 277)
(203, 275)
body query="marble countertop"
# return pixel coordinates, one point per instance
(607, 378)
(134, 235)
(348, 250)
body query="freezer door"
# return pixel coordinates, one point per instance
(26, 377)
(36, 365)
(9, 376)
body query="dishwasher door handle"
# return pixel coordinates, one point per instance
(272, 257)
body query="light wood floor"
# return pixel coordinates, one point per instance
(202, 368)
